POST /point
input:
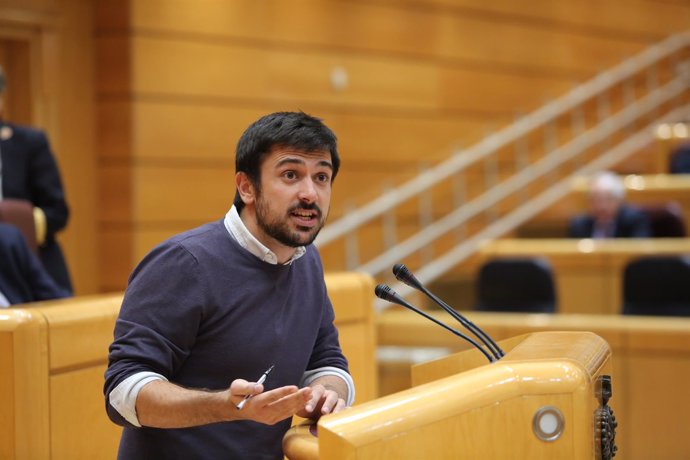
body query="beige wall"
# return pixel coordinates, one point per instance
(144, 99)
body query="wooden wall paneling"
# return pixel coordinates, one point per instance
(166, 68)
(203, 132)
(75, 141)
(495, 91)
(113, 15)
(220, 70)
(118, 194)
(164, 194)
(15, 62)
(113, 64)
(199, 133)
(116, 123)
(394, 29)
(639, 20)
(117, 253)
(146, 239)
(115, 144)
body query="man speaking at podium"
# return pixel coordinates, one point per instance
(210, 311)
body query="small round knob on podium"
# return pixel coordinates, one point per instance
(301, 442)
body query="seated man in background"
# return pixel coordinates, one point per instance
(22, 277)
(609, 216)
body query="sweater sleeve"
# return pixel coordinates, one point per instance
(327, 352)
(158, 321)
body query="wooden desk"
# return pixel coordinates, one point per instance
(651, 367)
(588, 273)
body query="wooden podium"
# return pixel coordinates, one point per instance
(546, 398)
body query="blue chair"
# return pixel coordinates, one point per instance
(666, 219)
(516, 285)
(657, 286)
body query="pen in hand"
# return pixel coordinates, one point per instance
(261, 380)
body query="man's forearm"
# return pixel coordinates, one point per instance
(161, 404)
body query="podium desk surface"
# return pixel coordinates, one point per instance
(458, 414)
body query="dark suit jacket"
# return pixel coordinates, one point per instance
(22, 277)
(30, 172)
(629, 223)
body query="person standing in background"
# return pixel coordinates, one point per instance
(609, 216)
(28, 171)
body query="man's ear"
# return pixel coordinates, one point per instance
(245, 188)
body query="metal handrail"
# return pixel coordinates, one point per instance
(515, 183)
(531, 208)
(463, 158)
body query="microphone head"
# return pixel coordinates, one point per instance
(397, 268)
(386, 292)
(402, 273)
(383, 291)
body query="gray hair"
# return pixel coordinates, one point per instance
(3, 82)
(609, 182)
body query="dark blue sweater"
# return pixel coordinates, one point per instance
(203, 311)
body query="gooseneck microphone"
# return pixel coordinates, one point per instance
(385, 292)
(403, 274)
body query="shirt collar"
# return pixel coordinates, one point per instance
(3, 301)
(239, 232)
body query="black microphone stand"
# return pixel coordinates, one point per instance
(403, 274)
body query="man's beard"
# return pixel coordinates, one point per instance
(279, 229)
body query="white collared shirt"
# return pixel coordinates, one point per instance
(4, 302)
(237, 229)
(124, 397)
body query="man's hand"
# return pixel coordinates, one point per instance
(270, 407)
(327, 397)
(162, 404)
(323, 401)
